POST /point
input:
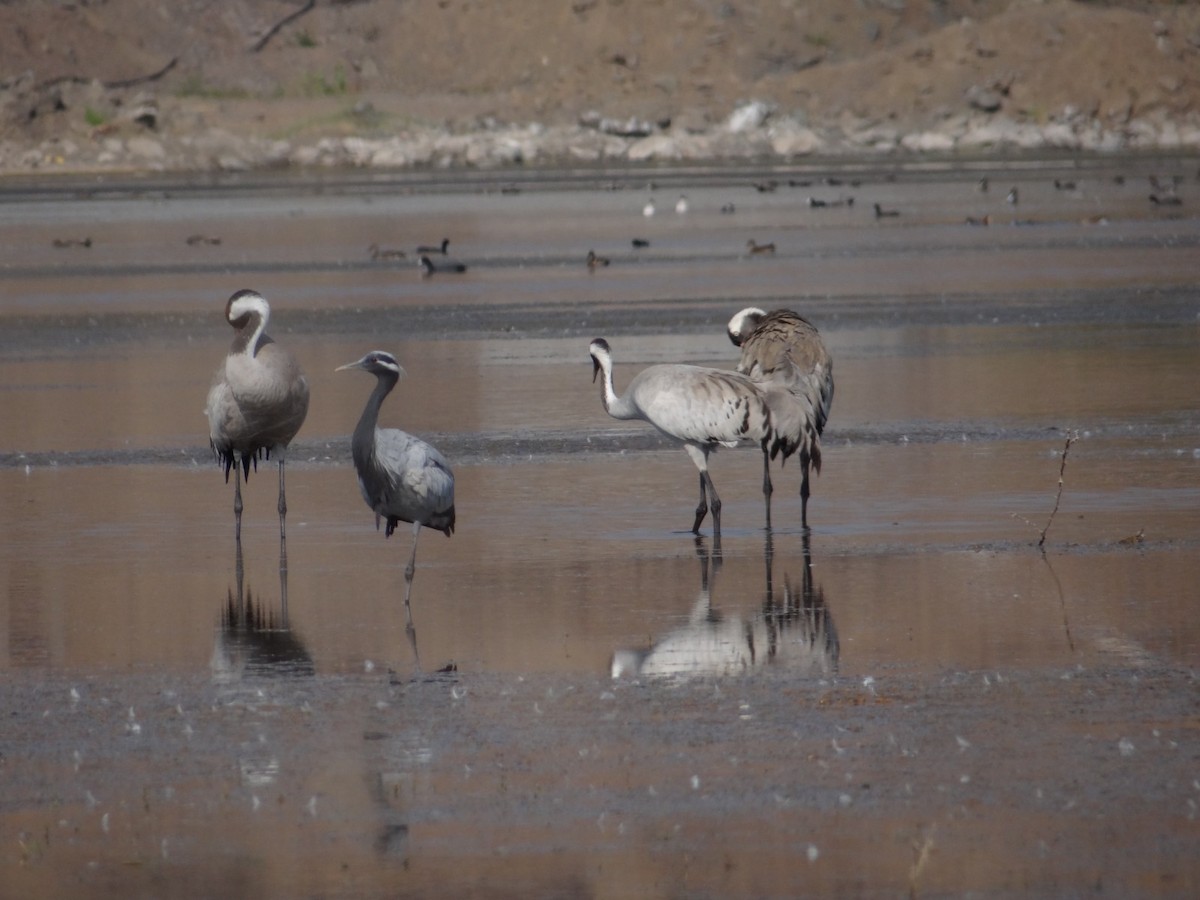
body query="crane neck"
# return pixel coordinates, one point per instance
(363, 441)
(616, 406)
(251, 335)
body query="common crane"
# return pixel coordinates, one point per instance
(783, 349)
(402, 478)
(703, 409)
(257, 402)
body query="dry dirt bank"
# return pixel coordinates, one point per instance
(141, 84)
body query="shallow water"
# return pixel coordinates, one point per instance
(963, 357)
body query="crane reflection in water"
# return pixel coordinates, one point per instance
(794, 631)
(255, 640)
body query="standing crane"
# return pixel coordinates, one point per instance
(257, 402)
(703, 409)
(402, 478)
(784, 350)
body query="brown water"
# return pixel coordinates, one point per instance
(186, 723)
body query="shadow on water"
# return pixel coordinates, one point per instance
(794, 631)
(254, 640)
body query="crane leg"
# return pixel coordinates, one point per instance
(714, 504)
(410, 570)
(768, 488)
(702, 509)
(237, 505)
(699, 456)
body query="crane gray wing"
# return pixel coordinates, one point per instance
(418, 484)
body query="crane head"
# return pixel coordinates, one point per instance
(743, 323)
(243, 304)
(377, 362)
(599, 350)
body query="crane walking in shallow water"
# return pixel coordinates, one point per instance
(257, 402)
(783, 350)
(402, 478)
(703, 409)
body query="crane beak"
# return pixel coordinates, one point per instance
(354, 365)
(595, 369)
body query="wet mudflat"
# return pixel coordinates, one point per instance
(911, 700)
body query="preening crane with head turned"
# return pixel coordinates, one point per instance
(783, 351)
(257, 402)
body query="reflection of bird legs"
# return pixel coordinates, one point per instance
(807, 603)
(807, 580)
(768, 560)
(770, 614)
(239, 573)
(283, 574)
(706, 558)
(409, 571)
(282, 498)
(702, 610)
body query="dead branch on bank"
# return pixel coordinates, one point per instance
(113, 85)
(282, 23)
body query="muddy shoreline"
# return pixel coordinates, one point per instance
(910, 699)
(963, 783)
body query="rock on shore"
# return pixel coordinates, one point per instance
(773, 139)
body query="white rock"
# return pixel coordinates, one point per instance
(996, 132)
(303, 156)
(1060, 134)
(1189, 136)
(359, 151)
(880, 137)
(789, 138)
(275, 153)
(1168, 136)
(146, 148)
(927, 142)
(1141, 133)
(1099, 140)
(748, 117)
(657, 146)
(231, 162)
(391, 154)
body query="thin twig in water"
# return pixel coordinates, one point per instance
(1072, 437)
